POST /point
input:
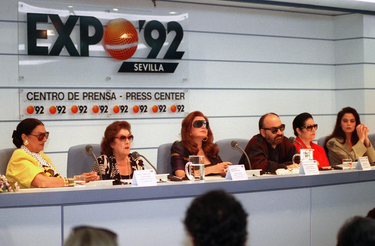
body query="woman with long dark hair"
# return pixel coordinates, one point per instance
(196, 139)
(352, 136)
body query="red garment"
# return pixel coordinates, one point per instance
(319, 153)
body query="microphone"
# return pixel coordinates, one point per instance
(90, 151)
(332, 143)
(135, 155)
(235, 145)
(293, 140)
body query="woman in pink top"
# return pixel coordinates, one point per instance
(304, 129)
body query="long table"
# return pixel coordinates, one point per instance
(283, 210)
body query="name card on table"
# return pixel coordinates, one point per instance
(309, 167)
(236, 172)
(363, 163)
(144, 177)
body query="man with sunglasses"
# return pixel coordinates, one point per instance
(270, 149)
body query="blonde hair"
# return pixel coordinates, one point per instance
(91, 236)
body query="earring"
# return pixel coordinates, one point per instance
(26, 142)
(205, 139)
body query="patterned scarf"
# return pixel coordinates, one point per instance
(47, 167)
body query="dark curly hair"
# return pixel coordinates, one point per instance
(216, 218)
(209, 148)
(110, 134)
(371, 214)
(24, 127)
(357, 231)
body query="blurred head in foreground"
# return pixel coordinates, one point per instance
(357, 231)
(216, 218)
(91, 236)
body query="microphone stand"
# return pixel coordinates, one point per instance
(89, 150)
(333, 143)
(293, 140)
(235, 145)
(136, 155)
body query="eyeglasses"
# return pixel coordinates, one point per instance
(110, 233)
(41, 136)
(310, 127)
(123, 138)
(275, 129)
(200, 123)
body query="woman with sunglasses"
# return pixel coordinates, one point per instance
(116, 161)
(196, 139)
(304, 129)
(29, 166)
(349, 138)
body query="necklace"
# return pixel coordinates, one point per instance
(47, 167)
(127, 162)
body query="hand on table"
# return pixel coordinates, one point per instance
(91, 176)
(221, 167)
(293, 166)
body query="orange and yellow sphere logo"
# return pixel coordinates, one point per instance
(120, 39)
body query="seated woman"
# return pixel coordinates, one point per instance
(349, 134)
(196, 139)
(304, 129)
(116, 161)
(29, 166)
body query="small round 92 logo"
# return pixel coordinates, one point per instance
(120, 39)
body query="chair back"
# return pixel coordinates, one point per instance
(164, 158)
(79, 161)
(5, 155)
(229, 153)
(321, 141)
(371, 137)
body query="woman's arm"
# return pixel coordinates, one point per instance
(179, 158)
(217, 169)
(336, 154)
(362, 131)
(91, 176)
(42, 181)
(180, 173)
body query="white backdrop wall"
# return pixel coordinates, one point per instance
(241, 63)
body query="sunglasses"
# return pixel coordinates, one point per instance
(106, 231)
(200, 123)
(310, 127)
(123, 138)
(41, 136)
(275, 129)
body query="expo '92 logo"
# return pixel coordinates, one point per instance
(120, 39)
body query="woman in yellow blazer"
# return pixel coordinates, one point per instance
(29, 166)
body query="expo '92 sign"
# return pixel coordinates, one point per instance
(120, 38)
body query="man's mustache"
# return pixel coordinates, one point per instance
(280, 135)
